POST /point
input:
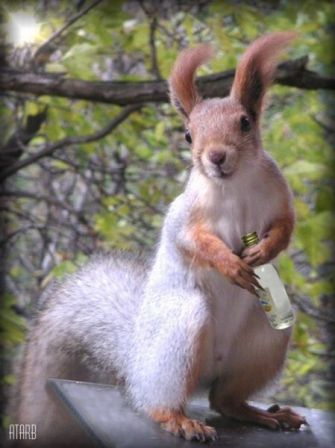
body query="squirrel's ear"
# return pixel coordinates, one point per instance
(256, 69)
(183, 92)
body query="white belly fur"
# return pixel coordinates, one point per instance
(230, 211)
(230, 305)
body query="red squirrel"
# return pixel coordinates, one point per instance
(189, 317)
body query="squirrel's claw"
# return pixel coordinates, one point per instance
(189, 429)
(246, 278)
(274, 417)
(256, 255)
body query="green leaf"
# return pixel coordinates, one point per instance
(63, 268)
(304, 167)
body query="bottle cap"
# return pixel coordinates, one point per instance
(250, 239)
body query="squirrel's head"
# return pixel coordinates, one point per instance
(224, 132)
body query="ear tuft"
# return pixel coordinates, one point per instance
(183, 92)
(256, 69)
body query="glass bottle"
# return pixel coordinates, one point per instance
(273, 298)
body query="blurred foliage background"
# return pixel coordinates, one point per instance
(113, 192)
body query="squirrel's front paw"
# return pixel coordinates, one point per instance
(239, 273)
(257, 255)
(178, 424)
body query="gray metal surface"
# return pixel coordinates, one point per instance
(108, 419)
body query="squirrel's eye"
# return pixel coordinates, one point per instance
(245, 123)
(188, 137)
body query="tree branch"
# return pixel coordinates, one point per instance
(290, 73)
(304, 304)
(153, 22)
(153, 50)
(46, 45)
(11, 235)
(47, 199)
(15, 145)
(68, 141)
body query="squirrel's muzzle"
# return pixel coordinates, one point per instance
(217, 157)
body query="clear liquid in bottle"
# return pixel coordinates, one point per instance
(274, 299)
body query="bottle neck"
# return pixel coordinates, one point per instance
(250, 239)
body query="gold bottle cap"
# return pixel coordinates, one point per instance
(250, 239)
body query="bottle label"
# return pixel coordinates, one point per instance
(266, 301)
(268, 305)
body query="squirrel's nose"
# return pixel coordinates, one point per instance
(217, 157)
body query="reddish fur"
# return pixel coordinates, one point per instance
(208, 249)
(247, 376)
(183, 92)
(248, 373)
(275, 240)
(282, 417)
(164, 415)
(258, 65)
(176, 422)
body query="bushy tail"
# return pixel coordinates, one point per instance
(82, 333)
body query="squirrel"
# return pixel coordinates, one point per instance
(189, 317)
